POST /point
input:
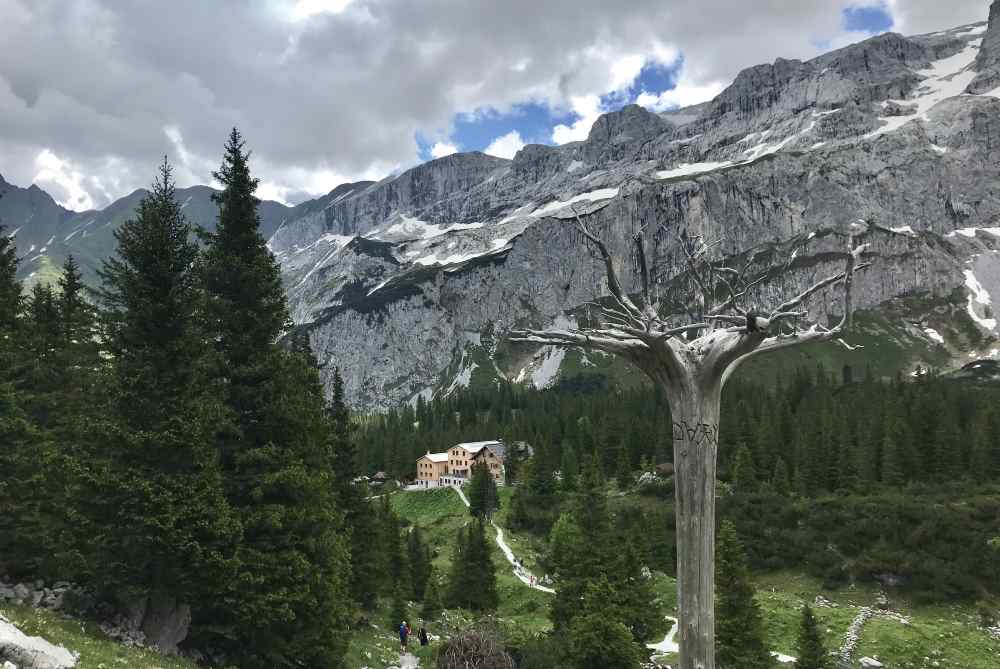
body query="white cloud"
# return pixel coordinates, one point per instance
(588, 108)
(505, 146)
(442, 149)
(345, 87)
(685, 93)
(288, 184)
(189, 169)
(62, 181)
(911, 17)
(306, 8)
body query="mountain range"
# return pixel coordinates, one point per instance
(410, 283)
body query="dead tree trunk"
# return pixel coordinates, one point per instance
(691, 363)
(695, 418)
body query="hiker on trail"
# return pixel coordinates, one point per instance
(422, 636)
(404, 633)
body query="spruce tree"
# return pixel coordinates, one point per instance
(473, 583)
(420, 563)
(739, 626)
(892, 465)
(432, 598)
(479, 560)
(744, 475)
(781, 480)
(279, 457)
(639, 609)
(623, 473)
(19, 441)
(596, 640)
(35, 475)
(151, 471)
(359, 514)
(459, 576)
(569, 467)
(483, 497)
(811, 653)
(10, 287)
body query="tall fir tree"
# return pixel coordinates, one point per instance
(623, 469)
(279, 457)
(473, 583)
(458, 575)
(596, 640)
(569, 467)
(10, 287)
(633, 594)
(739, 626)
(781, 480)
(483, 497)
(151, 470)
(419, 557)
(810, 651)
(432, 597)
(352, 496)
(744, 475)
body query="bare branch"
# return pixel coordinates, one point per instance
(614, 285)
(820, 285)
(691, 259)
(601, 341)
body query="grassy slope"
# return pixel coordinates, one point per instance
(946, 635)
(95, 649)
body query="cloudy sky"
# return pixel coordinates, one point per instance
(93, 92)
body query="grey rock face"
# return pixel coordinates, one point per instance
(410, 283)
(987, 64)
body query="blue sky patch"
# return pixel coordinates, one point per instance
(534, 121)
(873, 19)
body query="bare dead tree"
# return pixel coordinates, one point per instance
(691, 355)
(477, 648)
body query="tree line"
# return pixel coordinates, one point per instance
(894, 473)
(810, 434)
(160, 443)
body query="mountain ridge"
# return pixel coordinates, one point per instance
(411, 281)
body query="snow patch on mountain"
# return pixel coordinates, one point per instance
(591, 196)
(548, 367)
(945, 78)
(413, 228)
(978, 295)
(688, 169)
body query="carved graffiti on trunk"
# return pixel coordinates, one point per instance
(696, 434)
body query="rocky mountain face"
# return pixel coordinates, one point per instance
(410, 283)
(46, 233)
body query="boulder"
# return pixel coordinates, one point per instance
(870, 663)
(159, 620)
(22, 592)
(31, 652)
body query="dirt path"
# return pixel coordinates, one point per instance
(408, 661)
(520, 572)
(668, 645)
